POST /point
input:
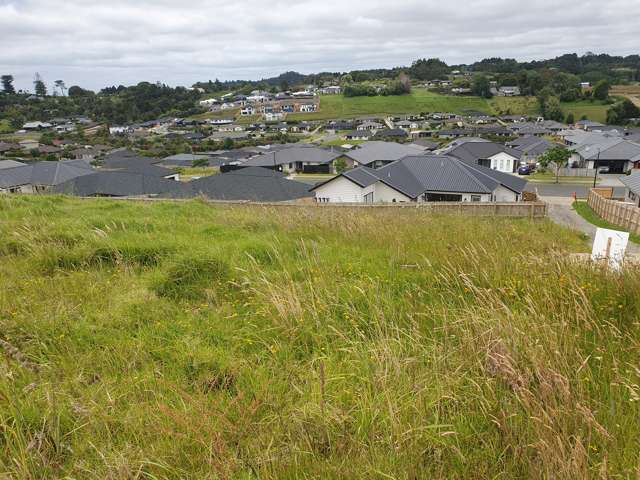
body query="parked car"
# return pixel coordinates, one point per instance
(524, 170)
(603, 170)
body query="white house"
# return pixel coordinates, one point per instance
(428, 178)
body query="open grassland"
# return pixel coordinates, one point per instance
(180, 340)
(596, 110)
(515, 105)
(419, 101)
(632, 92)
(5, 127)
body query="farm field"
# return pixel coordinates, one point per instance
(168, 340)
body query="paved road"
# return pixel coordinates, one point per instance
(566, 190)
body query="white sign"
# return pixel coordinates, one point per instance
(610, 246)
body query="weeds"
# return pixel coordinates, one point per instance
(190, 341)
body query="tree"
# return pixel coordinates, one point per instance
(340, 165)
(552, 109)
(481, 86)
(557, 156)
(284, 86)
(76, 91)
(59, 84)
(622, 112)
(7, 84)
(228, 144)
(431, 69)
(570, 120)
(40, 87)
(601, 90)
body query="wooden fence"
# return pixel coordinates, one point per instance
(534, 209)
(625, 215)
(577, 172)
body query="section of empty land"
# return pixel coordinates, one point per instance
(180, 340)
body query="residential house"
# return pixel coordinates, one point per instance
(488, 154)
(29, 144)
(301, 159)
(391, 133)
(117, 184)
(368, 125)
(358, 135)
(4, 164)
(531, 147)
(377, 154)
(425, 178)
(615, 153)
(40, 177)
(632, 188)
(253, 184)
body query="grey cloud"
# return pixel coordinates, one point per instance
(96, 44)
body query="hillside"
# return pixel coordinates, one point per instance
(184, 340)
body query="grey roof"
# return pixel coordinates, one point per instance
(291, 155)
(382, 151)
(10, 164)
(125, 159)
(531, 145)
(248, 184)
(188, 159)
(609, 148)
(416, 175)
(632, 182)
(42, 173)
(391, 132)
(425, 144)
(475, 151)
(116, 184)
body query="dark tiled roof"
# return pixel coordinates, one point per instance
(474, 151)
(117, 184)
(248, 184)
(42, 173)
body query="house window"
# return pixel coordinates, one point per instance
(368, 198)
(476, 198)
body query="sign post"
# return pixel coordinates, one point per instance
(610, 247)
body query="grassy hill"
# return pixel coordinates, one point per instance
(420, 100)
(182, 340)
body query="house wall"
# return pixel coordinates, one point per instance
(503, 162)
(341, 190)
(385, 194)
(502, 194)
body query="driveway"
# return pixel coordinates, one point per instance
(561, 212)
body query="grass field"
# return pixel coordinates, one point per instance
(515, 105)
(595, 111)
(420, 100)
(180, 340)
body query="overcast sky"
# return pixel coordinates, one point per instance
(95, 44)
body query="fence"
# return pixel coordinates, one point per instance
(474, 209)
(577, 172)
(625, 215)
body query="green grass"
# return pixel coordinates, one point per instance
(585, 211)
(189, 173)
(550, 177)
(167, 340)
(515, 105)
(595, 111)
(420, 100)
(5, 127)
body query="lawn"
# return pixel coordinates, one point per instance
(595, 111)
(550, 177)
(585, 211)
(419, 101)
(515, 105)
(190, 173)
(166, 340)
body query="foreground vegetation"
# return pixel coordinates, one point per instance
(181, 340)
